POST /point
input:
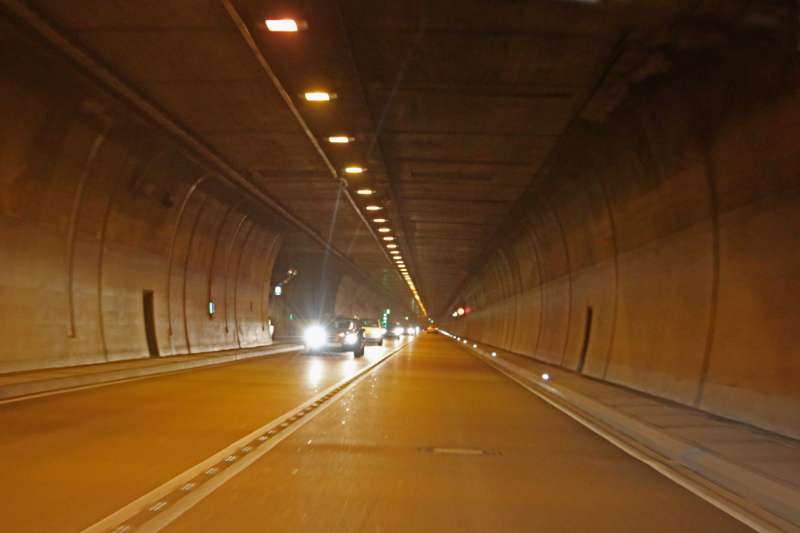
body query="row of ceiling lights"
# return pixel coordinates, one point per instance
(292, 26)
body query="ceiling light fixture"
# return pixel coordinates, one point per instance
(373, 208)
(389, 238)
(318, 96)
(379, 220)
(340, 139)
(365, 192)
(285, 25)
(354, 169)
(391, 246)
(384, 230)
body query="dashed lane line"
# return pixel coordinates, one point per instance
(159, 507)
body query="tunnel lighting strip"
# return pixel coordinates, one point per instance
(681, 474)
(163, 505)
(246, 34)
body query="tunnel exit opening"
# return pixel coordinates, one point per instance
(150, 323)
(587, 331)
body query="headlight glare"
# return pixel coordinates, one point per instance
(397, 331)
(351, 338)
(315, 336)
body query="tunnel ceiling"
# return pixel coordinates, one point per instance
(454, 106)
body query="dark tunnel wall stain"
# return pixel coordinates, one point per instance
(677, 222)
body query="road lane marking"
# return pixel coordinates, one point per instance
(715, 495)
(218, 469)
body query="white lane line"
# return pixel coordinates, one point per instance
(676, 472)
(157, 507)
(218, 476)
(458, 451)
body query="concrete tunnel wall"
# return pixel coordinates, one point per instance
(678, 223)
(95, 208)
(312, 294)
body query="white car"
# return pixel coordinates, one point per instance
(373, 332)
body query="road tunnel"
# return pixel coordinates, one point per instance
(592, 206)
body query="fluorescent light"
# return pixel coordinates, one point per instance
(354, 169)
(391, 246)
(284, 25)
(394, 252)
(390, 238)
(373, 208)
(379, 220)
(365, 192)
(384, 230)
(339, 139)
(318, 96)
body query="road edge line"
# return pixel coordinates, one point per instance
(732, 504)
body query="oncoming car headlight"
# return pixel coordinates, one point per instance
(397, 331)
(351, 338)
(315, 336)
(410, 331)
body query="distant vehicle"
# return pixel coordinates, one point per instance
(342, 334)
(432, 329)
(395, 331)
(411, 329)
(401, 329)
(373, 332)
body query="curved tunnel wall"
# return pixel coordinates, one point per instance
(354, 299)
(678, 223)
(96, 208)
(316, 293)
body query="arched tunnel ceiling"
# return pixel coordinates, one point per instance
(455, 106)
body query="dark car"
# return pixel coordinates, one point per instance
(341, 334)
